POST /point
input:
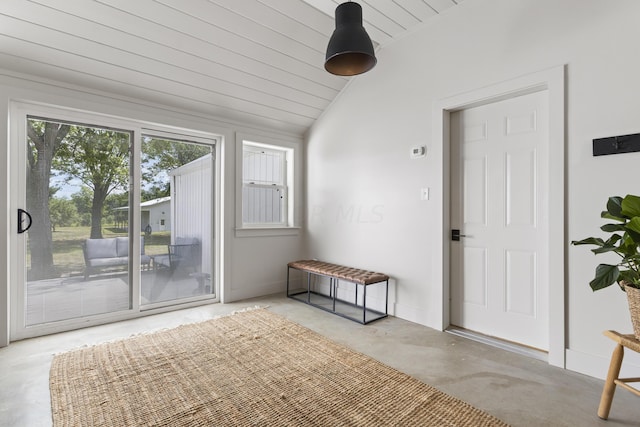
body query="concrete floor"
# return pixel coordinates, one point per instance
(62, 298)
(519, 390)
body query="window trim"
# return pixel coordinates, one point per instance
(292, 176)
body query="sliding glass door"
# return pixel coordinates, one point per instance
(110, 220)
(76, 249)
(176, 214)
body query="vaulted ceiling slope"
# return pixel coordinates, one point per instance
(253, 62)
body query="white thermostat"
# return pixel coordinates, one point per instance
(418, 151)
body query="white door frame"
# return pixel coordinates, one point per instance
(552, 80)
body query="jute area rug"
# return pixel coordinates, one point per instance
(253, 368)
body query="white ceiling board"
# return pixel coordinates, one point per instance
(278, 22)
(216, 37)
(441, 5)
(261, 36)
(182, 70)
(390, 11)
(328, 7)
(300, 11)
(254, 62)
(418, 8)
(385, 20)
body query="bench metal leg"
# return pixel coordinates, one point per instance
(356, 300)
(332, 292)
(288, 270)
(364, 303)
(386, 298)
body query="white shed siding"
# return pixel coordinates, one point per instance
(192, 205)
(157, 213)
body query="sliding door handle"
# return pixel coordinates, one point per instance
(21, 214)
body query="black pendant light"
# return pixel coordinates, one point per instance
(350, 50)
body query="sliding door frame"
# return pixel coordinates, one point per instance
(19, 111)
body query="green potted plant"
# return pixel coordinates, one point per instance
(624, 240)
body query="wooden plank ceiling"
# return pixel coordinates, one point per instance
(252, 62)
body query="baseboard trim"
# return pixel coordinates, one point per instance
(247, 292)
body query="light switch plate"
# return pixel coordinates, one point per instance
(424, 193)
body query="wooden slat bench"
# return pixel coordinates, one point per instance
(331, 303)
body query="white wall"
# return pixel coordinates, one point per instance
(261, 267)
(364, 206)
(239, 252)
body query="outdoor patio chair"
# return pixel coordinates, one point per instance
(183, 255)
(109, 252)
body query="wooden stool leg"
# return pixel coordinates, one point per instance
(610, 385)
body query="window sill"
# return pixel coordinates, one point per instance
(267, 231)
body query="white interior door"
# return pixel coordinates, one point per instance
(499, 271)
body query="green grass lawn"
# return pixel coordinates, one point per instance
(67, 246)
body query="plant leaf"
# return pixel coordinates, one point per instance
(607, 215)
(627, 247)
(604, 249)
(633, 229)
(629, 276)
(606, 275)
(610, 228)
(614, 207)
(630, 206)
(610, 246)
(589, 241)
(633, 259)
(613, 239)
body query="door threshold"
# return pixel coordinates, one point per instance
(499, 343)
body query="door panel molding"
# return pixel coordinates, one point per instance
(553, 81)
(516, 223)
